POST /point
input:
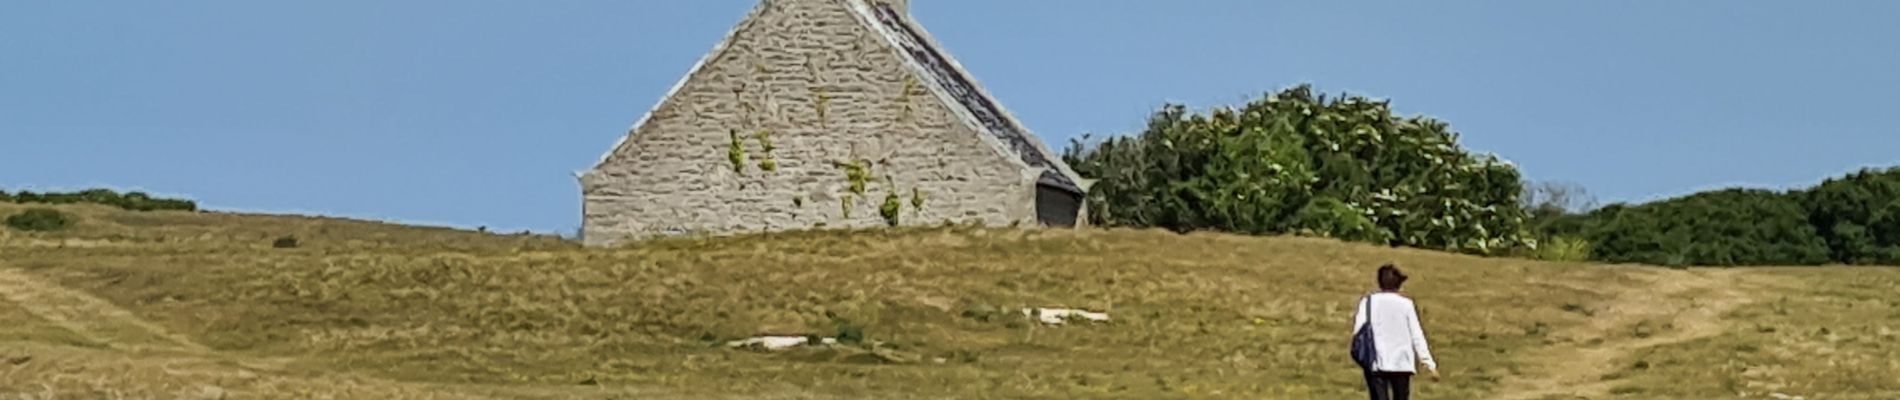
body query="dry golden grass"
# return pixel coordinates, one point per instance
(1830, 333)
(365, 310)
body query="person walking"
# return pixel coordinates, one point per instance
(1395, 344)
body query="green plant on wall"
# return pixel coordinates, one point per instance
(735, 152)
(916, 200)
(764, 136)
(844, 204)
(769, 162)
(893, 205)
(857, 174)
(891, 208)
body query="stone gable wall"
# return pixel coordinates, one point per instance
(825, 91)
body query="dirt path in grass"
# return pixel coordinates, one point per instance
(1674, 307)
(88, 316)
(135, 358)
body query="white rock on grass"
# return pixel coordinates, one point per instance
(1059, 316)
(777, 342)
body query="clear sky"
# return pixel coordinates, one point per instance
(476, 112)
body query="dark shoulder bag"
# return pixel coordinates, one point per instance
(1363, 351)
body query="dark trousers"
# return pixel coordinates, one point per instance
(1389, 385)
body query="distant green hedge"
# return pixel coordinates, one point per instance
(135, 201)
(1720, 228)
(1854, 219)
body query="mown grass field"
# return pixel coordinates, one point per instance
(170, 305)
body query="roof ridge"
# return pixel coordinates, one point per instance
(922, 50)
(917, 48)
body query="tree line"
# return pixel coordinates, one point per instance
(1852, 219)
(135, 201)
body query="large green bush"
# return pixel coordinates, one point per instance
(1295, 161)
(39, 220)
(1859, 216)
(1719, 228)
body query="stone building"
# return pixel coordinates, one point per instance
(825, 114)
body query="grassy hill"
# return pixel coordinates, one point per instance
(174, 304)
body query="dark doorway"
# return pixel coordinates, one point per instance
(1057, 207)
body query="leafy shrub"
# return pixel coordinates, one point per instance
(1720, 228)
(5, 197)
(1329, 217)
(1858, 215)
(39, 220)
(1562, 248)
(735, 152)
(1295, 160)
(891, 209)
(285, 242)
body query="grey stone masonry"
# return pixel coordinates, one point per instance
(809, 115)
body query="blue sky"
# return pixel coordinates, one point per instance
(475, 112)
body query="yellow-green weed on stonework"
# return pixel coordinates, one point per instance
(857, 174)
(892, 207)
(764, 136)
(735, 151)
(769, 162)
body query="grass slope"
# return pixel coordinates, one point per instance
(168, 304)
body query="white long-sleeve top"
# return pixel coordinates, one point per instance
(1395, 333)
